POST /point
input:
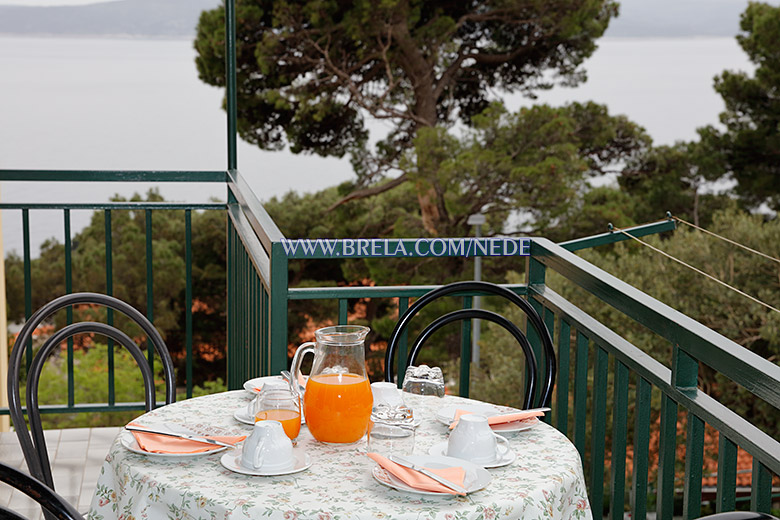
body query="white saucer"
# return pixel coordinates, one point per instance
(253, 385)
(127, 440)
(241, 416)
(476, 477)
(504, 455)
(447, 414)
(232, 461)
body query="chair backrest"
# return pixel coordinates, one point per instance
(544, 392)
(467, 314)
(32, 442)
(54, 504)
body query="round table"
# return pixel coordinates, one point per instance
(545, 481)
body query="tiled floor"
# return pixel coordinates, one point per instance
(76, 456)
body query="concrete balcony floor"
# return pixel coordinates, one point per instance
(76, 454)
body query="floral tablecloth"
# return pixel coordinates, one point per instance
(545, 481)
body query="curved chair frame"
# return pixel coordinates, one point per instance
(36, 368)
(545, 395)
(467, 314)
(739, 515)
(27, 443)
(53, 503)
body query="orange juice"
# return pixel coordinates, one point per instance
(290, 419)
(337, 407)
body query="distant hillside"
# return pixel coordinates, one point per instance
(162, 18)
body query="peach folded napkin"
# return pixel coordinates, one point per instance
(498, 419)
(419, 481)
(155, 443)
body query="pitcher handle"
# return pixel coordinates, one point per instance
(297, 359)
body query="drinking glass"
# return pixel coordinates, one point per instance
(391, 430)
(281, 405)
(424, 380)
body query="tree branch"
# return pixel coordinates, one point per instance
(369, 192)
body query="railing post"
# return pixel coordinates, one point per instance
(465, 350)
(230, 80)
(277, 353)
(535, 276)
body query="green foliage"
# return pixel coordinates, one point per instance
(310, 73)
(749, 146)
(535, 162)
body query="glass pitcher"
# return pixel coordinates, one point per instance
(337, 402)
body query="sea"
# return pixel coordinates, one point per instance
(137, 104)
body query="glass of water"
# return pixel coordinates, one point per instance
(424, 380)
(391, 430)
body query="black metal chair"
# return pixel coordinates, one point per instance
(53, 504)
(739, 515)
(32, 442)
(548, 352)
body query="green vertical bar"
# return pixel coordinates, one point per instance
(619, 439)
(250, 325)
(726, 499)
(666, 459)
(403, 343)
(641, 449)
(254, 344)
(694, 460)
(598, 431)
(259, 320)
(69, 309)
(264, 320)
(188, 296)
(562, 403)
(27, 278)
(343, 311)
(465, 350)
(549, 322)
(536, 346)
(232, 311)
(109, 312)
(279, 302)
(580, 393)
(246, 370)
(149, 285)
(230, 66)
(761, 488)
(536, 277)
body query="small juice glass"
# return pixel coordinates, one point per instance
(280, 405)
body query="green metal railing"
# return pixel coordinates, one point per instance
(692, 344)
(108, 209)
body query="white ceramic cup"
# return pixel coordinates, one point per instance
(473, 440)
(387, 394)
(268, 448)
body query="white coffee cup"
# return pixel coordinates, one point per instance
(268, 447)
(387, 394)
(473, 440)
